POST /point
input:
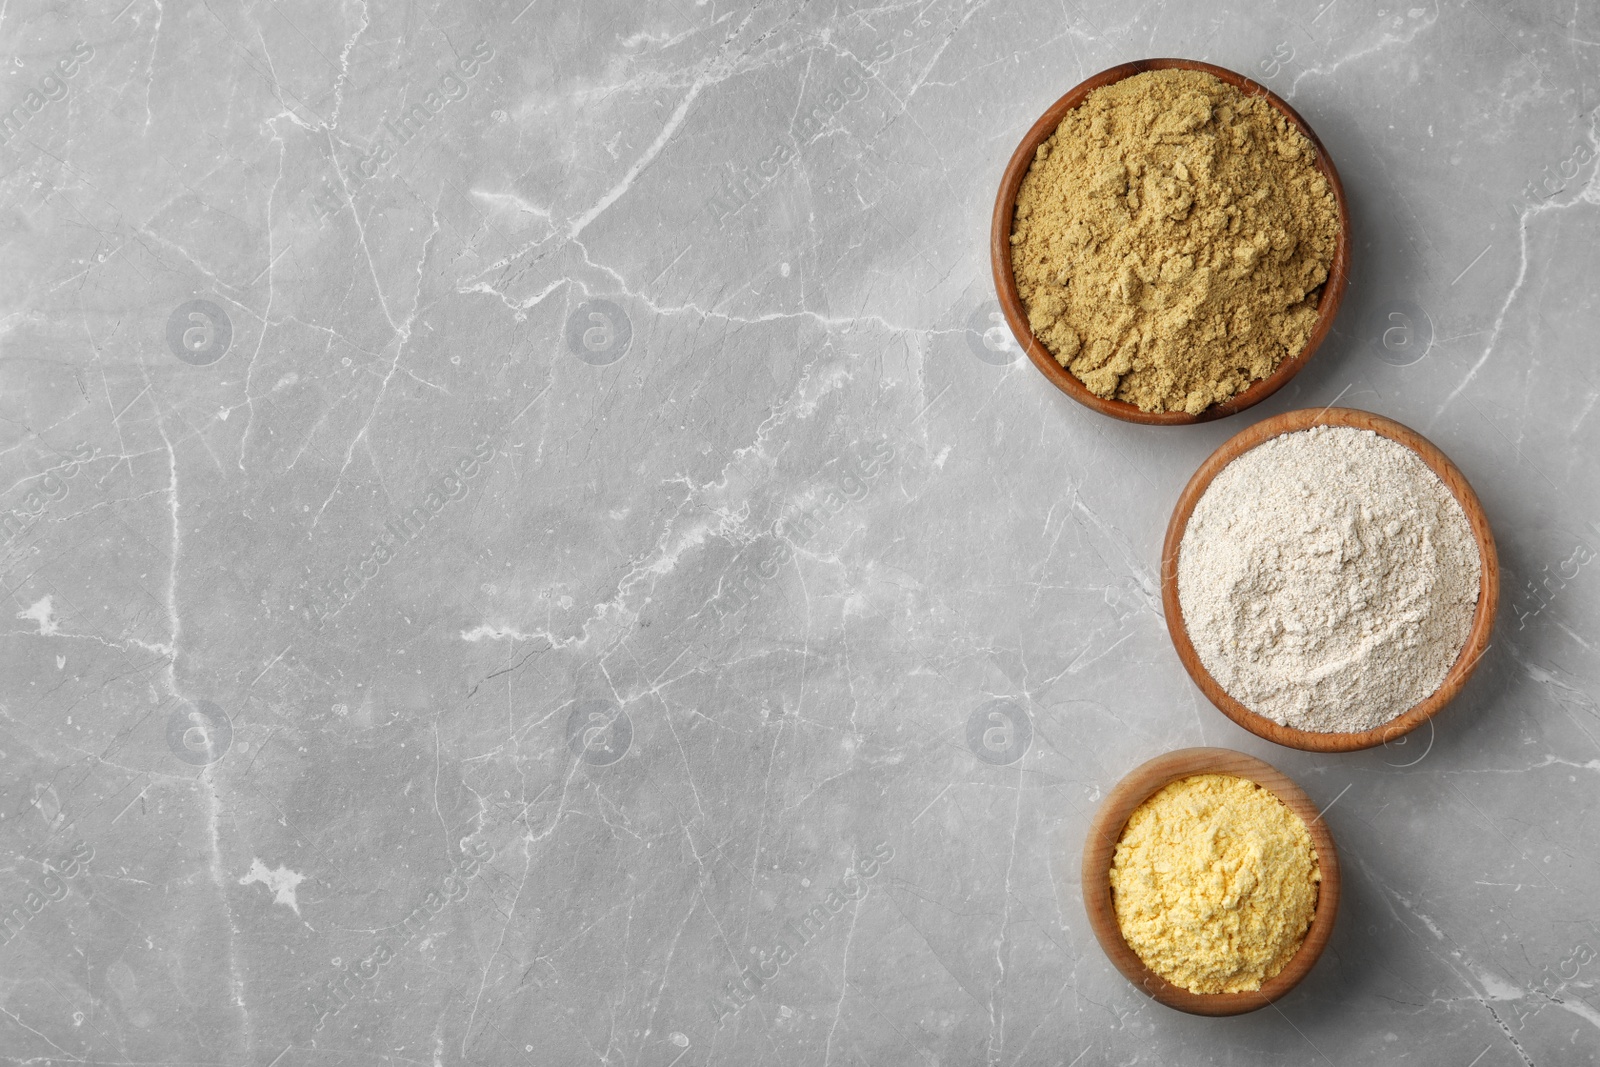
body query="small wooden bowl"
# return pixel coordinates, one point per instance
(1100, 848)
(1005, 283)
(1482, 620)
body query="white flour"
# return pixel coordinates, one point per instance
(1328, 579)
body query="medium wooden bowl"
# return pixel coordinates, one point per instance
(1106, 830)
(1482, 620)
(1005, 282)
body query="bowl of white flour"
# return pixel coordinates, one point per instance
(1329, 579)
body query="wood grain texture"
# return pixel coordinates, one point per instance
(1100, 847)
(1472, 651)
(1005, 283)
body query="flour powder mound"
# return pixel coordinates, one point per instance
(1328, 579)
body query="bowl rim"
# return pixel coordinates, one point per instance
(1099, 849)
(1011, 301)
(1477, 642)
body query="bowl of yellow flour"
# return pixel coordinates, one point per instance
(1210, 881)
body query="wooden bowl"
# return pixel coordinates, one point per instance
(1005, 282)
(1106, 830)
(1482, 620)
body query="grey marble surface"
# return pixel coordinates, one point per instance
(478, 577)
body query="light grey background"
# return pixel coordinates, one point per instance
(271, 779)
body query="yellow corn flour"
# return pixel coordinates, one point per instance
(1214, 882)
(1171, 240)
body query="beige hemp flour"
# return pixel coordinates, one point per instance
(1328, 579)
(1170, 238)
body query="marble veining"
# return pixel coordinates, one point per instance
(527, 541)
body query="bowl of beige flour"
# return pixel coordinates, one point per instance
(1329, 579)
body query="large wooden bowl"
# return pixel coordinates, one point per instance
(1005, 282)
(1100, 848)
(1482, 620)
